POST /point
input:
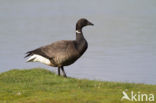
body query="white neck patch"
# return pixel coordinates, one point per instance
(78, 31)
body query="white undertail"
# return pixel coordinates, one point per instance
(39, 58)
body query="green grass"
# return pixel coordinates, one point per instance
(43, 86)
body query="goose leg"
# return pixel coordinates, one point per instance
(59, 71)
(64, 74)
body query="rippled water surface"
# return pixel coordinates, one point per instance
(122, 44)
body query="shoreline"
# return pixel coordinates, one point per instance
(39, 85)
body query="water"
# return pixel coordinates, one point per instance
(122, 44)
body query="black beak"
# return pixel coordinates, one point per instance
(89, 23)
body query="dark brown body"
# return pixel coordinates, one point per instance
(62, 53)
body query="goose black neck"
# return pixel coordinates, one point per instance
(79, 34)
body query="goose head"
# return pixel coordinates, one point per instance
(82, 23)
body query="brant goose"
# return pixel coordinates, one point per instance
(62, 53)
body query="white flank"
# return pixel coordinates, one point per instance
(39, 58)
(78, 31)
